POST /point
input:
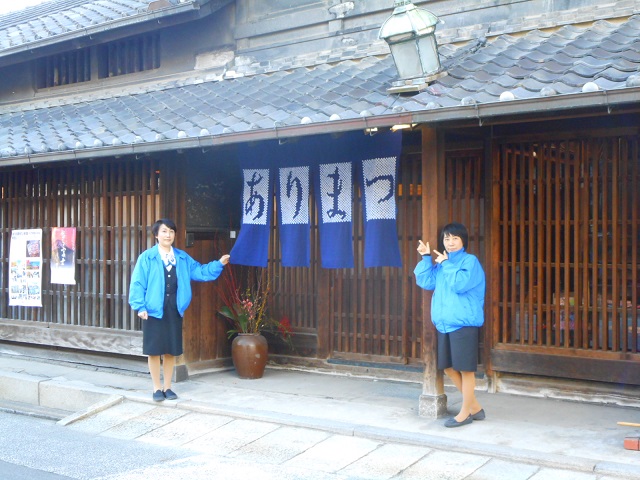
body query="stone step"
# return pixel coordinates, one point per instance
(31, 410)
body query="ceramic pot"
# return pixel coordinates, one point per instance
(249, 352)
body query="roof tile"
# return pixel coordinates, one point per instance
(564, 59)
(522, 93)
(506, 81)
(607, 84)
(554, 67)
(574, 79)
(533, 85)
(584, 70)
(544, 76)
(614, 75)
(56, 17)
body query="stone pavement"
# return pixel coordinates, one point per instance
(348, 427)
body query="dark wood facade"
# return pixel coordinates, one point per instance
(553, 218)
(110, 204)
(566, 245)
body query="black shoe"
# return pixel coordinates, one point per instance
(170, 395)
(479, 415)
(452, 422)
(158, 396)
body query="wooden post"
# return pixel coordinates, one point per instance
(433, 401)
(174, 181)
(324, 329)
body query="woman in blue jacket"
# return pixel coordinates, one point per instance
(160, 292)
(457, 311)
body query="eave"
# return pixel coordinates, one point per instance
(110, 30)
(600, 103)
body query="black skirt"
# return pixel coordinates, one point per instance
(162, 336)
(459, 349)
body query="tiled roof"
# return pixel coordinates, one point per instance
(540, 67)
(55, 18)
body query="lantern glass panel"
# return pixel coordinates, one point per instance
(407, 60)
(429, 54)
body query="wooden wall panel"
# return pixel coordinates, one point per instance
(111, 205)
(568, 233)
(465, 199)
(356, 314)
(295, 291)
(375, 314)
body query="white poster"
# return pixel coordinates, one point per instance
(25, 268)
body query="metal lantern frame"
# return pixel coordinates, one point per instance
(410, 33)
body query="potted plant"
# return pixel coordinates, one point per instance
(245, 309)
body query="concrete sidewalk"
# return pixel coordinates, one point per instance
(540, 431)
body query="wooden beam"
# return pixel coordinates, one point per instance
(76, 337)
(564, 366)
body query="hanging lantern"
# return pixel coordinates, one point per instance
(410, 33)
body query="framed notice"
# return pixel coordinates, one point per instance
(25, 268)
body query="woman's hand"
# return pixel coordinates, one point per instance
(441, 257)
(423, 249)
(224, 259)
(143, 315)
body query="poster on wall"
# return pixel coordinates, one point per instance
(25, 268)
(63, 255)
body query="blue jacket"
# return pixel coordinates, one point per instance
(459, 286)
(146, 292)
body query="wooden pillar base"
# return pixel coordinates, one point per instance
(432, 406)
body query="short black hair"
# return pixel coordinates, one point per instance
(163, 221)
(456, 230)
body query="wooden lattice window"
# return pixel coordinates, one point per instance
(569, 241)
(64, 68)
(465, 196)
(131, 55)
(111, 206)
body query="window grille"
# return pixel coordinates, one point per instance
(64, 69)
(136, 54)
(111, 206)
(569, 238)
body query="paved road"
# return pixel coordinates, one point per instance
(137, 441)
(11, 471)
(543, 431)
(51, 452)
